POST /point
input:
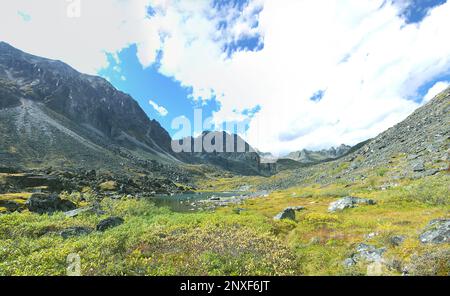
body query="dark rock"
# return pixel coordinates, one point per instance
(297, 208)
(43, 203)
(396, 240)
(287, 213)
(23, 181)
(110, 222)
(75, 231)
(349, 202)
(11, 205)
(437, 232)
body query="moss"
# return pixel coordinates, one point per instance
(156, 241)
(19, 198)
(108, 186)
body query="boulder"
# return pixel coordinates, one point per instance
(367, 253)
(396, 240)
(76, 212)
(287, 213)
(110, 222)
(437, 232)
(48, 203)
(75, 231)
(297, 208)
(349, 202)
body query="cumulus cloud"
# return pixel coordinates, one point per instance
(437, 88)
(160, 109)
(78, 32)
(364, 59)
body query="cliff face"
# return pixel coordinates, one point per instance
(229, 152)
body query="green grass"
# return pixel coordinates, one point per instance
(156, 241)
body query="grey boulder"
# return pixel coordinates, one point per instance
(367, 253)
(110, 222)
(348, 202)
(437, 232)
(287, 213)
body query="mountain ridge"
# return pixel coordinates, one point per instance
(53, 115)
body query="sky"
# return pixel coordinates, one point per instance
(296, 73)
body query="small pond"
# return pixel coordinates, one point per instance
(187, 202)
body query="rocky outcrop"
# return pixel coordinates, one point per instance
(287, 213)
(75, 231)
(108, 223)
(437, 232)
(48, 203)
(365, 253)
(349, 202)
(226, 151)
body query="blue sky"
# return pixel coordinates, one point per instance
(145, 84)
(300, 74)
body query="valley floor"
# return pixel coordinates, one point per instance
(241, 239)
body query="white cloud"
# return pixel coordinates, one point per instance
(437, 88)
(160, 109)
(104, 26)
(361, 53)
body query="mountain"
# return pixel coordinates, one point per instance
(50, 114)
(308, 156)
(415, 148)
(267, 157)
(226, 151)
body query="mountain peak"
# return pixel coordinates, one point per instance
(66, 103)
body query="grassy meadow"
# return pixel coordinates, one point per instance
(157, 241)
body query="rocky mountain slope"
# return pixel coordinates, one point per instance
(50, 113)
(309, 156)
(414, 148)
(230, 153)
